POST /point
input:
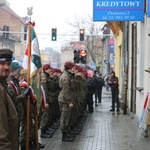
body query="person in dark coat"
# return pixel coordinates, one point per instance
(113, 82)
(100, 87)
(9, 121)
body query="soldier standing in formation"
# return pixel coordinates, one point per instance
(45, 119)
(72, 100)
(66, 100)
(9, 120)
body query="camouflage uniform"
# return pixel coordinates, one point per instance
(16, 94)
(75, 110)
(19, 100)
(56, 104)
(65, 98)
(46, 112)
(51, 96)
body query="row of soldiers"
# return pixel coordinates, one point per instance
(66, 96)
(63, 101)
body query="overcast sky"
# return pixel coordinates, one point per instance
(49, 14)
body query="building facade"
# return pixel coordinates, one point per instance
(12, 31)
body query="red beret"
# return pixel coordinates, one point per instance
(69, 64)
(84, 72)
(46, 66)
(79, 68)
(54, 70)
(58, 70)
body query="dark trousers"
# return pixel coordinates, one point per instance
(96, 96)
(90, 102)
(114, 93)
(99, 94)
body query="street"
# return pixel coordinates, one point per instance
(102, 130)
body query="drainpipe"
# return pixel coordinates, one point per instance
(126, 33)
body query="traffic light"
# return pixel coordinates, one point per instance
(54, 34)
(81, 34)
(76, 56)
(83, 55)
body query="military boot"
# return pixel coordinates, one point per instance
(32, 145)
(67, 138)
(74, 131)
(44, 134)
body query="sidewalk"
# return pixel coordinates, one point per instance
(102, 130)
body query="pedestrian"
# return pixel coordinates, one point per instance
(90, 83)
(96, 87)
(100, 87)
(66, 100)
(113, 82)
(9, 121)
(106, 78)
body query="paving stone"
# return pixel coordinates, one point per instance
(102, 130)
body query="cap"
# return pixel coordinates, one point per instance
(15, 66)
(5, 54)
(148, 70)
(46, 66)
(69, 65)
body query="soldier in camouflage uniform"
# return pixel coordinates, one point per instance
(56, 94)
(78, 100)
(17, 95)
(66, 100)
(45, 119)
(84, 91)
(52, 98)
(33, 99)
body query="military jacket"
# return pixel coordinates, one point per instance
(67, 93)
(78, 80)
(9, 121)
(51, 89)
(44, 83)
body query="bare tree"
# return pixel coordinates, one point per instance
(92, 32)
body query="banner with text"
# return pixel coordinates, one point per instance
(118, 10)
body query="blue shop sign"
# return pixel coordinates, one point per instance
(118, 10)
(148, 7)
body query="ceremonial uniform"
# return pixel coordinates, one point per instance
(9, 135)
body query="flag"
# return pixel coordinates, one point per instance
(35, 66)
(35, 62)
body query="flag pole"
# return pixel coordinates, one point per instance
(36, 126)
(28, 81)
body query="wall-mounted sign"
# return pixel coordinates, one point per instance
(118, 10)
(148, 7)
